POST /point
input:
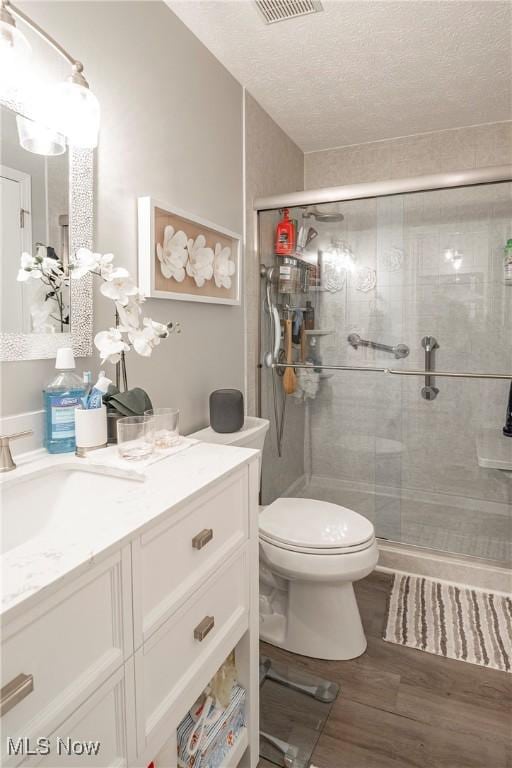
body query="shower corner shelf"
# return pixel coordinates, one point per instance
(319, 332)
(494, 450)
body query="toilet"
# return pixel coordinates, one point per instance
(311, 552)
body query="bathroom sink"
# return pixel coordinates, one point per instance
(48, 502)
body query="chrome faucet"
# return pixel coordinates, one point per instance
(6, 461)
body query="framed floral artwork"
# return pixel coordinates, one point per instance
(184, 257)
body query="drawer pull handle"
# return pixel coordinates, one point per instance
(202, 538)
(202, 629)
(15, 691)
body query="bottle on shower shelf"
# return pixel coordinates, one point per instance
(285, 235)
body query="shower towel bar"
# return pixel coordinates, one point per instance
(454, 374)
(405, 372)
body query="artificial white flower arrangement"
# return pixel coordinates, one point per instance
(118, 286)
(180, 256)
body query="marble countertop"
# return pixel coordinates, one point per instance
(494, 449)
(68, 545)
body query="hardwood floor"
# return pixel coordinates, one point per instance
(400, 708)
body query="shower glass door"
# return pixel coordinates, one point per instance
(403, 273)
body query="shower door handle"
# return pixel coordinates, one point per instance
(429, 344)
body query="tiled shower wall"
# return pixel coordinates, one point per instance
(452, 150)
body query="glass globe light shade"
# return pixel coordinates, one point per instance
(38, 138)
(14, 46)
(15, 53)
(75, 112)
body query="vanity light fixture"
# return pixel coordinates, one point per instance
(37, 138)
(70, 108)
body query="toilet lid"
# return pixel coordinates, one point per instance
(314, 524)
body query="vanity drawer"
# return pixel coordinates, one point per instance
(175, 665)
(69, 643)
(173, 558)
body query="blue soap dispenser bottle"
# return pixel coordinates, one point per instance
(61, 397)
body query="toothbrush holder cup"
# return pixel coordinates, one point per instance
(90, 429)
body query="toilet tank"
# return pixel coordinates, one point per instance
(252, 435)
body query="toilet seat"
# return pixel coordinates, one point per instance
(315, 527)
(321, 552)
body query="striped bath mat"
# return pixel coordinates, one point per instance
(451, 621)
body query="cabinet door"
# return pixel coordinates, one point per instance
(68, 645)
(96, 735)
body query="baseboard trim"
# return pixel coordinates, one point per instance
(464, 571)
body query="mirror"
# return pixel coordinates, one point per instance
(46, 207)
(34, 202)
(53, 221)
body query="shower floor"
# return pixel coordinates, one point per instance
(436, 521)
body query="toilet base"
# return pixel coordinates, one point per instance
(322, 621)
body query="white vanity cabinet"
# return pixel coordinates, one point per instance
(119, 650)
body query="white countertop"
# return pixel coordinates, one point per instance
(47, 560)
(494, 449)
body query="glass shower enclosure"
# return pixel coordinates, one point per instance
(396, 312)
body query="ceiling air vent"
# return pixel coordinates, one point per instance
(280, 10)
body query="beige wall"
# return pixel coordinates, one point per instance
(172, 128)
(274, 164)
(457, 149)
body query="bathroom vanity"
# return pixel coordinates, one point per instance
(121, 598)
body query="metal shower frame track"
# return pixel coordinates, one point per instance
(431, 182)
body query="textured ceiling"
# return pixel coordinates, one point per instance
(366, 70)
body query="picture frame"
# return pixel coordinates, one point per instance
(186, 258)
